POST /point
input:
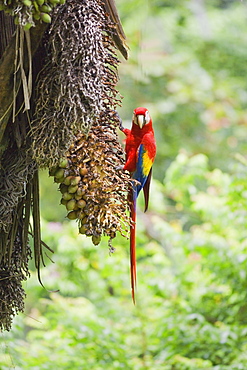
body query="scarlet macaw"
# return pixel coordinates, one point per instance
(140, 151)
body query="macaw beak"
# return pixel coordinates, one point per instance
(140, 121)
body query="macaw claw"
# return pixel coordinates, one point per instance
(116, 114)
(119, 167)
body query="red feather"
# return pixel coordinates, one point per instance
(133, 249)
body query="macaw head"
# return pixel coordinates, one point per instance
(141, 117)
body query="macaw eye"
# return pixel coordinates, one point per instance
(147, 117)
(135, 119)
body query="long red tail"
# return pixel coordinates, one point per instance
(133, 248)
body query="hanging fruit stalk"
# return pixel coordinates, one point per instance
(76, 120)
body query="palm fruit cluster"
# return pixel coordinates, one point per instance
(27, 12)
(92, 188)
(76, 118)
(80, 74)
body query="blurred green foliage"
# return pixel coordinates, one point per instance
(191, 310)
(189, 69)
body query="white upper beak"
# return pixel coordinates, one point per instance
(140, 120)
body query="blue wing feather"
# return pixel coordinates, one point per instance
(138, 174)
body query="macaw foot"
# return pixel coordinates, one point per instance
(121, 124)
(119, 167)
(120, 121)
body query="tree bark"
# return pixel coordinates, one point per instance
(7, 29)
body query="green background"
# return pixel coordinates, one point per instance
(188, 66)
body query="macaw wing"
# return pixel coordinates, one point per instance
(141, 174)
(146, 189)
